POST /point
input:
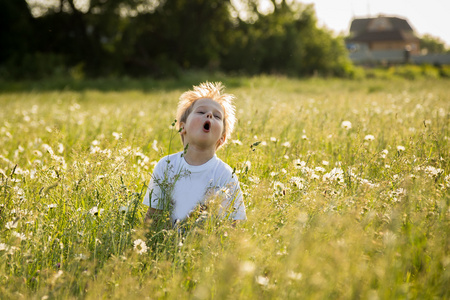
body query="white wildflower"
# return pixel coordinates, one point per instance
(11, 225)
(369, 137)
(123, 209)
(247, 267)
(60, 148)
(51, 206)
(335, 175)
(294, 276)
(95, 211)
(37, 153)
(155, 145)
(278, 185)
(298, 182)
(400, 148)
(432, 171)
(117, 135)
(325, 163)
(384, 153)
(3, 247)
(80, 256)
(262, 280)
(237, 142)
(74, 107)
(286, 144)
(254, 179)
(304, 137)
(299, 164)
(273, 139)
(19, 235)
(140, 247)
(346, 125)
(319, 169)
(447, 180)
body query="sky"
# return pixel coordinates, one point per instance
(424, 16)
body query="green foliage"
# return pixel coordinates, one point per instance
(346, 185)
(287, 41)
(411, 72)
(163, 38)
(432, 44)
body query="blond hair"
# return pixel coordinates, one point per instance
(213, 91)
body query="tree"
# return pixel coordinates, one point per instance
(159, 38)
(16, 24)
(432, 44)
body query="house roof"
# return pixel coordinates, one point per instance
(359, 25)
(381, 28)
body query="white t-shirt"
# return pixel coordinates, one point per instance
(187, 186)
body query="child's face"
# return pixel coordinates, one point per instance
(204, 125)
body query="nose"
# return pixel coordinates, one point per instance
(209, 114)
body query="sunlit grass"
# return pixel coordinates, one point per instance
(347, 194)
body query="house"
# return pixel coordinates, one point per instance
(382, 39)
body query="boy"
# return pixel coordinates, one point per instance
(184, 180)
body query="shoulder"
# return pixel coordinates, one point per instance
(224, 169)
(168, 161)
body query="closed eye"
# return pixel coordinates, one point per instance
(218, 117)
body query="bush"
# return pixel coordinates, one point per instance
(34, 66)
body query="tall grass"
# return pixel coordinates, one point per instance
(347, 194)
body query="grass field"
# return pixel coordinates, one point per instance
(347, 194)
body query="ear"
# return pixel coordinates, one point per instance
(182, 129)
(222, 140)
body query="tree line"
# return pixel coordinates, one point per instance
(163, 38)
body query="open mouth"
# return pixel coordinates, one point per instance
(207, 126)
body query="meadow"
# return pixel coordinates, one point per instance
(346, 184)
